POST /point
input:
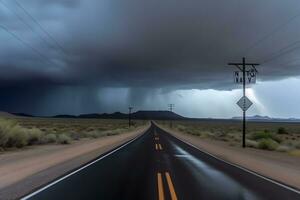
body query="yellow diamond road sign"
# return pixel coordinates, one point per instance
(244, 103)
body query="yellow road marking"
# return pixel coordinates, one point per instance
(171, 187)
(160, 147)
(156, 146)
(161, 195)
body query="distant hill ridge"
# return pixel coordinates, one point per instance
(267, 118)
(6, 114)
(160, 115)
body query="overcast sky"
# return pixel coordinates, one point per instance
(82, 56)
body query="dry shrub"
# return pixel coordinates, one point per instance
(284, 148)
(34, 136)
(251, 143)
(63, 139)
(295, 153)
(12, 134)
(267, 144)
(49, 138)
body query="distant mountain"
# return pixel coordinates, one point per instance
(64, 116)
(22, 115)
(159, 115)
(255, 117)
(116, 115)
(267, 118)
(6, 114)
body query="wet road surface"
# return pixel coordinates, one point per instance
(157, 165)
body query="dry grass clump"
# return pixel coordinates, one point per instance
(35, 136)
(63, 139)
(265, 135)
(282, 130)
(294, 152)
(251, 143)
(94, 134)
(12, 135)
(21, 132)
(49, 138)
(267, 144)
(283, 148)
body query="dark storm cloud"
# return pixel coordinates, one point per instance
(144, 44)
(154, 43)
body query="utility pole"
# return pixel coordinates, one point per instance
(171, 107)
(245, 102)
(129, 116)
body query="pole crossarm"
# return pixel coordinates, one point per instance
(253, 64)
(244, 64)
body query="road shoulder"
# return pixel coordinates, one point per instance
(25, 171)
(274, 165)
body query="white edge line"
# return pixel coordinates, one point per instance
(81, 168)
(238, 166)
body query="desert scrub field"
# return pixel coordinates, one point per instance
(283, 137)
(25, 131)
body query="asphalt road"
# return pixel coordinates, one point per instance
(158, 166)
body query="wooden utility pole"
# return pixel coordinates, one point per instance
(171, 107)
(129, 116)
(243, 70)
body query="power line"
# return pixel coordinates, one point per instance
(291, 61)
(24, 22)
(268, 35)
(26, 44)
(41, 27)
(283, 51)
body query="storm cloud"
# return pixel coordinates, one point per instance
(145, 46)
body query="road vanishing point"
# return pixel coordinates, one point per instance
(157, 165)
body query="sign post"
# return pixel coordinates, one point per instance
(243, 76)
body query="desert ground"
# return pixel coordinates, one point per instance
(271, 136)
(20, 132)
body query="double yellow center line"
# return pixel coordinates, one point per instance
(158, 146)
(161, 195)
